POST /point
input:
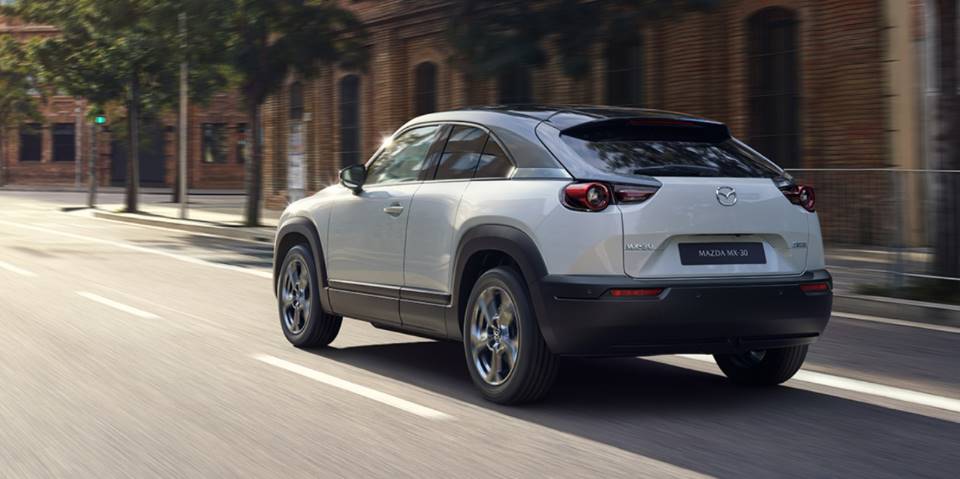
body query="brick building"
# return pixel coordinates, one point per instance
(57, 150)
(810, 83)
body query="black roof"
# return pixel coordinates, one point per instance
(566, 116)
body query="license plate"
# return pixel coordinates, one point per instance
(692, 254)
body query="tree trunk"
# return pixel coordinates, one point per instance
(3, 153)
(133, 153)
(253, 173)
(947, 248)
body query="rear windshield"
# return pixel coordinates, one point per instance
(628, 149)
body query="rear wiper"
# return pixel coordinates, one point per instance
(694, 170)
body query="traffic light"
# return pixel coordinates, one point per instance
(100, 119)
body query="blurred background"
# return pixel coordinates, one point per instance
(854, 97)
(148, 147)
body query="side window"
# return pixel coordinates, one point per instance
(462, 153)
(404, 159)
(494, 163)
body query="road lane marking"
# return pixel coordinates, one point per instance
(119, 306)
(357, 389)
(142, 249)
(897, 322)
(14, 269)
(863, 387)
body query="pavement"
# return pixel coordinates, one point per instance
(142, 351)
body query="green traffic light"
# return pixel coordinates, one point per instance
(100, 119)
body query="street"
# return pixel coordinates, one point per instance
(138, 351)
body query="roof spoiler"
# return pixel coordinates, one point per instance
(640, 128)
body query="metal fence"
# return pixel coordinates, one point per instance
(881, 222)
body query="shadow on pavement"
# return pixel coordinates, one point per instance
(696, 420)
(214, 249)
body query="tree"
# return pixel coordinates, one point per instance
(491, 37)
(947, 244)
(113, 51)
(264, 41)
(18, 97)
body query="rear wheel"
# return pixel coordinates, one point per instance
(304, 322)
(506, 355)
(762, 367)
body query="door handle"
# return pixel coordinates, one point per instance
(394, 209)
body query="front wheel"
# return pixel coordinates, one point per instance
(506, 355)
(304, 322)
(762, 367)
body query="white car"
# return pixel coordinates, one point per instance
(529, 233)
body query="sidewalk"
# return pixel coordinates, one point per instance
(220, 215)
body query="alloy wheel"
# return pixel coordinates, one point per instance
(494, 335)
(295, 296)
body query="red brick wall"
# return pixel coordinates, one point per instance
(695, 63)
(222, 108)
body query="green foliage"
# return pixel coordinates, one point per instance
(265, 40)
(18, 95)
(103, 44)
(490, 37)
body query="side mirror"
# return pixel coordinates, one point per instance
(353, 177)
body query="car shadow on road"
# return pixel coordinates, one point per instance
(692, 419)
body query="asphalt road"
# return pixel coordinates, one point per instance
(142, 352)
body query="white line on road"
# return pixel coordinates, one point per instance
(14, 269)
(864, 387)
(364, 391)
(897, 322)
(141, 249)
(120, 306)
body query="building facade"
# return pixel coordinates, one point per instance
(812, 84)
(56, 151)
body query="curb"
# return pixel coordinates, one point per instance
(904, 309)
(259, 235)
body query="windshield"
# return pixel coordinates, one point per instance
(672, 156)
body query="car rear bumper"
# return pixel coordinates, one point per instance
(579, 316)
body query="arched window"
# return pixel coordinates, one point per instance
(349, 90)
(514, 86)
(774, 83)
(425, 88)
(625, 72)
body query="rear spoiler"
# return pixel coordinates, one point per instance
(650, 129)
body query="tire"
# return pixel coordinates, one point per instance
(526, 367)
(762, 368)
(302, 318)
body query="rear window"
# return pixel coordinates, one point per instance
(666, 148)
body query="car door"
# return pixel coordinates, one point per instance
(430, 231)
(367, 230)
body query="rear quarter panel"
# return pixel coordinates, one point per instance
(571, 242)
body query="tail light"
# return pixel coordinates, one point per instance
(587, 196)
(595, 196)
(815, 287)
(633, 193)
(801, 195)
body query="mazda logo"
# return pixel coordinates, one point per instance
(727, 196)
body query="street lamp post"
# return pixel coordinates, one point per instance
(183, 119)
(92, 164)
